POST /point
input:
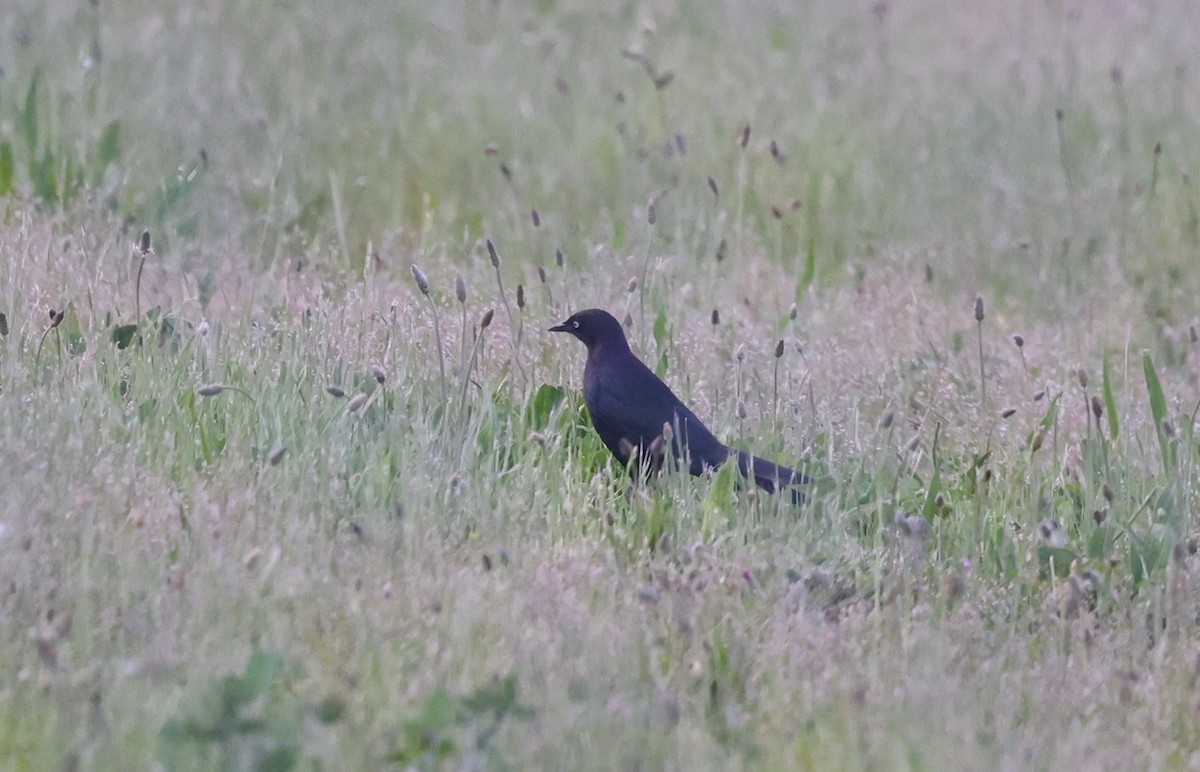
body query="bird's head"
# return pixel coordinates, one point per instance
(594, 327)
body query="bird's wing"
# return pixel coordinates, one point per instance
(628, 401)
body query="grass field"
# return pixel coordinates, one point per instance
(267, 504)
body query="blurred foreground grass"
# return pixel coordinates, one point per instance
(267, 505)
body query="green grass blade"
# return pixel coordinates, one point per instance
(6, 168)
(1158, 409)
(109, 150)
(1110, 404)
(29, 123)
(810, 264)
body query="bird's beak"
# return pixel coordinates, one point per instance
(559, 328)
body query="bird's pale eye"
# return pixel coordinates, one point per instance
(575, 324)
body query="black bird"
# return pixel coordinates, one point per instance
(630, 406)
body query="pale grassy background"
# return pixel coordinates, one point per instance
(292, 160)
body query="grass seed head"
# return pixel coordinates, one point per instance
(558, 258)
(652, 212)
(1038, 440)
(716, 317)
(886, 422)
(421, 279)
(493, 255)
(335, 391)
(1100, 515)
(721, 250)
(277, 455)
(1082, 376)
(744, 139)
(521, 297)
(712, 185)
(541, 274)
(210, 390)
(144, 244)
(460, 290)
(1097, 407)
(1019, 340)
(979, 308)
(537, 220)
(779, 349)
(1008, 412)
(3, 324)
(380, 375)
(356, 402)
(1107, 490)
(631, 285)
(486, 320)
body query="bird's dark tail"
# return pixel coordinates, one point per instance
(771, 477)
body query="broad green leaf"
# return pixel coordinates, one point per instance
(544, 402)
(720, 493)
(1051, 412)
(235, 692)
(1144, 557)
(261, 670)
(441, 712)
(123, 334)
(660, 329)
(1055, 561)
(330, 710)
(1100, 541)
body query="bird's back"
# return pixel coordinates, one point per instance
(629, 402)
